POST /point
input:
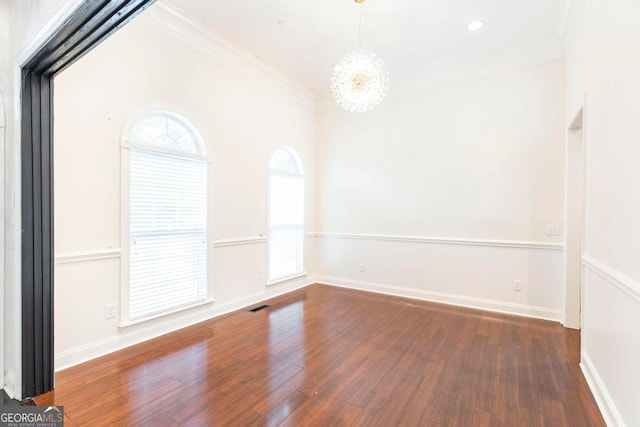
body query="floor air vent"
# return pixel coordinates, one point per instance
(260, 307)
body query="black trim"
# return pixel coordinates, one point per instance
(89, 25)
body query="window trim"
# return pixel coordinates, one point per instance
(290, 277)
(126, 144)
(124, 324)
(302, 176)
(129, 145)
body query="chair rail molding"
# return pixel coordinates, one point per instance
(238, 241)
(446, 241)
(625, 283)
(88, 255)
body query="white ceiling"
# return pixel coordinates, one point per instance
(303, 39)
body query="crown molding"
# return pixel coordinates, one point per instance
(169, 19)
(61, 14)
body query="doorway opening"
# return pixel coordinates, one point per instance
(86, 27)
(574, 221)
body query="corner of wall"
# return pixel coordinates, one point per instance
(600, 393)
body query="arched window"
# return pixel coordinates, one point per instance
(167, 218)
(286, 215)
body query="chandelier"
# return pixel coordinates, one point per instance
(360, 80)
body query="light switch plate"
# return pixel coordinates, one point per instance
(552, 229)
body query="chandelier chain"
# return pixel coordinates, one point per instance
(360, 28)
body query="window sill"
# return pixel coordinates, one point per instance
(287, 278)
(129, 323)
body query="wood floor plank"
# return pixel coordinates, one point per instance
(278, 413)
(325, 356)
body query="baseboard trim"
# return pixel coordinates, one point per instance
(445, 298)
(11, 387)
(600, 393)
(446, 241)
(145, 332)
(137, 334)
(618, 279)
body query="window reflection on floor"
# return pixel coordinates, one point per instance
(286, 342)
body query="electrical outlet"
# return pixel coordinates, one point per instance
(362, 268)
(517, 285)
(261, 275)
(109, 311)
(552, 229)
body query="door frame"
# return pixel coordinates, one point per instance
(3, 121)
(575, 193)
(86, 25)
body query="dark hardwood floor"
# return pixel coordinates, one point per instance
(329, 356)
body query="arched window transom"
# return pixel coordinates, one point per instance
(284, 160)
(166, 132)
(167, 224)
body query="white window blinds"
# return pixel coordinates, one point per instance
(167, 212)
(286, 216)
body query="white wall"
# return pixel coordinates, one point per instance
(5, 47)
(479, 161)
(243, 116)
(603, 67)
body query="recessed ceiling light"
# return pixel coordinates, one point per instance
(475, 25)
